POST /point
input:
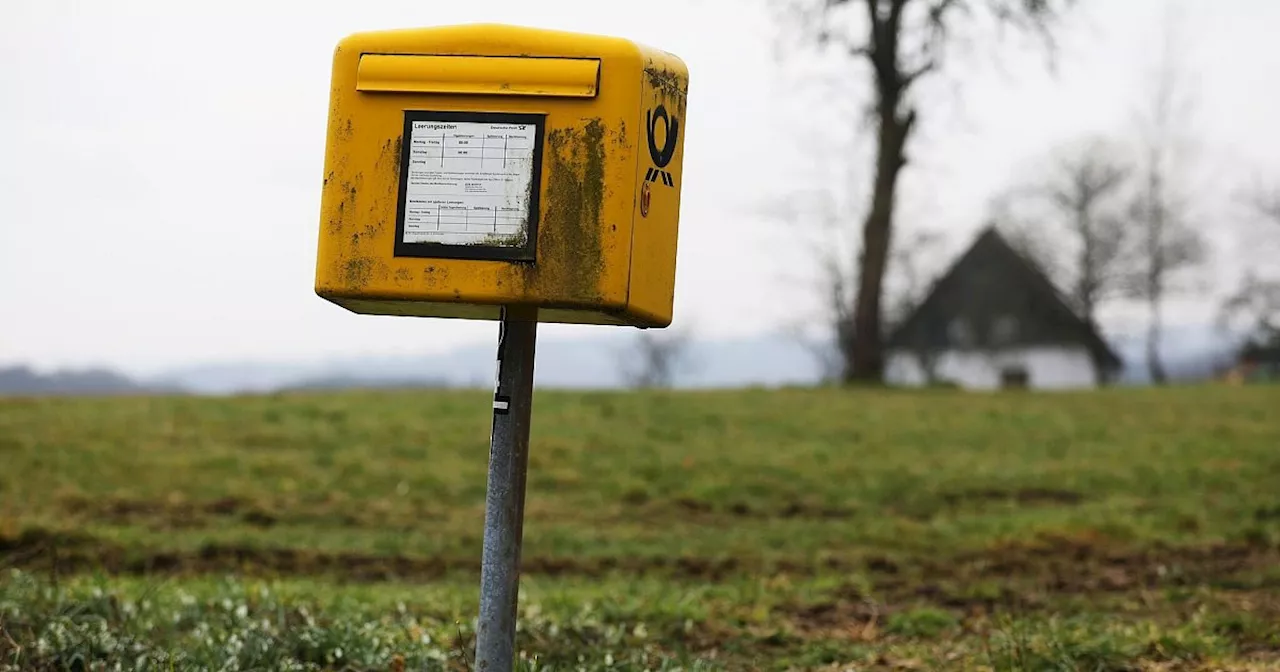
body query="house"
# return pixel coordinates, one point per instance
(1257, 362)
(994, 320)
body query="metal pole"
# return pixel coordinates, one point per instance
(504, 500)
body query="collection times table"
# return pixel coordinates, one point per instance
(469, 182)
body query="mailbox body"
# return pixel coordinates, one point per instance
(469, 168)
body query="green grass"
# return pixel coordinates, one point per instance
(752, 529)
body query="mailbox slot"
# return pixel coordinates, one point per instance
(479, 75)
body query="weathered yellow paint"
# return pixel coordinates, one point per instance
(598, 259)
(653, 245)
(496, 75)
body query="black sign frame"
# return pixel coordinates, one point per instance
(527, 252)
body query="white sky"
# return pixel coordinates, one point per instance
(160, 162)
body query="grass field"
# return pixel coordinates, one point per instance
(795, 529)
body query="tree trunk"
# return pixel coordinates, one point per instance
(1156, 367)
(866, 361)
(1088, 287)
(1156, 267)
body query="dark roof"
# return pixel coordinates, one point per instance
(1254, 352)
(991, 281)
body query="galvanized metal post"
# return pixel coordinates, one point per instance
(504, 500)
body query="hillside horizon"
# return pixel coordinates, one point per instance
(762, 360)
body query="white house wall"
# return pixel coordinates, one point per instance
(1049, 368)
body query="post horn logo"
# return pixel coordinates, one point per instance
(661, 157)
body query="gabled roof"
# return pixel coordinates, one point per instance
(1255, 352)
(992, 280)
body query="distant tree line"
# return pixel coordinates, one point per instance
(25, 381)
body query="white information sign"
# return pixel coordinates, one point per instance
(469, 183)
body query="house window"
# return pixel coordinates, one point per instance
(1004, 330)
(959, 333)
(1014, 378)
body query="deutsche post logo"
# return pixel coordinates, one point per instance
(661, 157)
(644, 199)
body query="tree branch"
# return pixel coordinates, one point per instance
(896, 9)
(1267, 204)
(873, 12)
(910, 76)
(938, 14)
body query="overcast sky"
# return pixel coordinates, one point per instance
(160, 162)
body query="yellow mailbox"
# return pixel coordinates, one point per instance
(471, 168)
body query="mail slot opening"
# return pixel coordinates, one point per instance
(487, 75)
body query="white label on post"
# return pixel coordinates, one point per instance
(469, 183)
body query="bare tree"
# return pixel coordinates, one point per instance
(1168, 243)
(1266, 204)
(817, 217)
(915, 265)
(655, 358)
(916, 260)
(1027, 235)
(1071, 220)
(901, 42)
(1087, 192)
(1254, 308)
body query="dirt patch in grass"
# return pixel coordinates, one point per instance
(1267, 513)
(1085, 565)
(690, 505)
(1035, 577)
(848, 611)
(1022, 496)
(846, 616)
(46, 550)
(1246, 619)
(695, 509)
(182, 514)
(1016, 571)
(39, 548)
(166, 514)
(43, 550)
